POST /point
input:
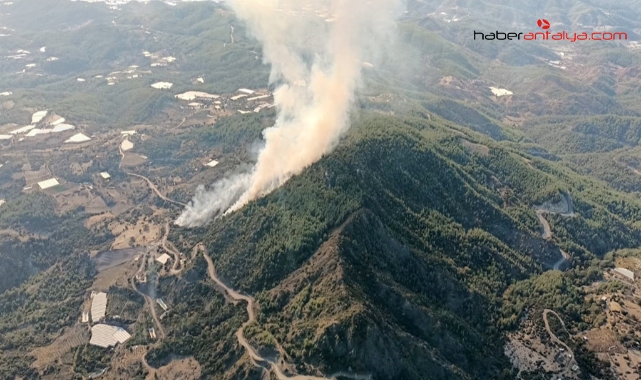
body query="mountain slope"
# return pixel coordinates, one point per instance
(391, 256)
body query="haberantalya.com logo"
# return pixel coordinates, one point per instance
(554, 36)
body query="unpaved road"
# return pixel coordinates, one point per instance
(169, 248)
(564, 257)
(554, 338)
(155, 189)
(255, 357)
(547, 235)
(547, 231)
(148, 300)
(149, 183)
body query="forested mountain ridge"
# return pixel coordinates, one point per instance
(401, 244)
(412, 251)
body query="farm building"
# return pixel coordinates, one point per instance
(58, 120)
(193, 95)
(258, 97)
(162, 85)
(126, 145)
(62, 127)
(37, 131)
(212, 164)
(38, 116)
(500, 91)
(48, 183)
(105, 175)
(624, 273)
(98, 307)
(162, 304)
(78, 138)
(106, 336)
(22, 130)
(163, 258)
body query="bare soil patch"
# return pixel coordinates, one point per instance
(139, 234)
(476, 148)
(627, 365)
(132, 159)
(118, 275)
(96, 205)
(95, 219)
(72, 337)
(603, 340)
(187, 369)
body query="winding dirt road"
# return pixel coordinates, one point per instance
(564, 257)
(547, 235)
(255, 357)
(149, 183)
(155, 190)
(554, 338)
(547, 230)
(167, 246)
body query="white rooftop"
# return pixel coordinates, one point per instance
(258, 97)
(22, 130)
(106, 336)
(59, 120)
(246, 91)
(126, 145)
(627, 273)
(62, 127)
(500, 91)
(48, 183)
(121, 336)
(38, 116)
(163, 258)
(162, 85)
(5, 137)
(98, 307)
(193, 95)
(128, 133)
(78, 138)
(212, 164)
(105, 175)
(37, 131)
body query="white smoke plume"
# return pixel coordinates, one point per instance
(316, 49)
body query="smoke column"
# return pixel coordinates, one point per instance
(316, 49)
